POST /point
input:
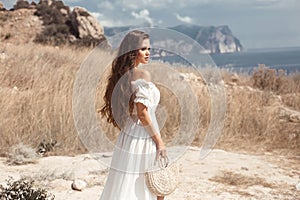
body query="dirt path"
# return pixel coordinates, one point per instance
(221, 175)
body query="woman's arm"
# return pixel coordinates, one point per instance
(144, 117)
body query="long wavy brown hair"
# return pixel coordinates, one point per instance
(118, 98)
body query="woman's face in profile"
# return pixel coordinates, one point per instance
(143, 53)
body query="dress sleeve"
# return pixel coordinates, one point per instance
(142, 92)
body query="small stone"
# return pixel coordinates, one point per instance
(71, 38)
(298, 186)
(108, 155)
(244, 168)
(78, 185)
(3, 56)
(235, 78)
(295, 117)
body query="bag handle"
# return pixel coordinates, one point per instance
(163, 162)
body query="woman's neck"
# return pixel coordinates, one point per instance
(137, 65)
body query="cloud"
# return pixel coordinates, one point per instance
(106, 5)
(96, 14)
(70, 1)
(110, 23)
(107, 21)
(143, 14)
(138, 4)
(185, 19)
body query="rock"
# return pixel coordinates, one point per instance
(244, 168)
(235, 78)
(48, 2)
(15, 90)
(71, 38)
(295, 117)
(85, 24)
(231, 83)
(64, 12)
(3, 56)
(288, 115)
(2, 6)
(298, 186)
(189, 77)
(107, 155)
(78, 185)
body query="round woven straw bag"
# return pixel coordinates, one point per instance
(163, 181)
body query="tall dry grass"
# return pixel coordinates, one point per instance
(259, 110)
(36, 92)
(36, 87)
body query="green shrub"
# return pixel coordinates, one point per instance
(23, 190)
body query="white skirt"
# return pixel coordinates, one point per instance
(134, 153)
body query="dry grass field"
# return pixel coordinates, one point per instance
(36, 88)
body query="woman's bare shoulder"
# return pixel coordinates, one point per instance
(139, 73)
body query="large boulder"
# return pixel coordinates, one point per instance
(85, 25)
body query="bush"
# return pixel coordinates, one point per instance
(21, 154)
(268, 79)
(56, 23)
(51, 14)
(21, 4)
(275, 81)
(89, 41)
(55, 34)
(264, 78)
(4, 16)
(45, 147)
(23, 190)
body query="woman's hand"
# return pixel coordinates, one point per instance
(161, 151)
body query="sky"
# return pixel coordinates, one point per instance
(256, 23)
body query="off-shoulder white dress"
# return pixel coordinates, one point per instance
(134, 151)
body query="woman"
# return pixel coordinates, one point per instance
(130, 102)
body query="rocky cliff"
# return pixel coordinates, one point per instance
(213, 39)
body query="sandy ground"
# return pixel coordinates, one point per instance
(221, 175)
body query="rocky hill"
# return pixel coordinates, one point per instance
(49, 22)
(213, 39)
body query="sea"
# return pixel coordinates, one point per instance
(287, 59)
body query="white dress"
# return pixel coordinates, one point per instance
(134, 152)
